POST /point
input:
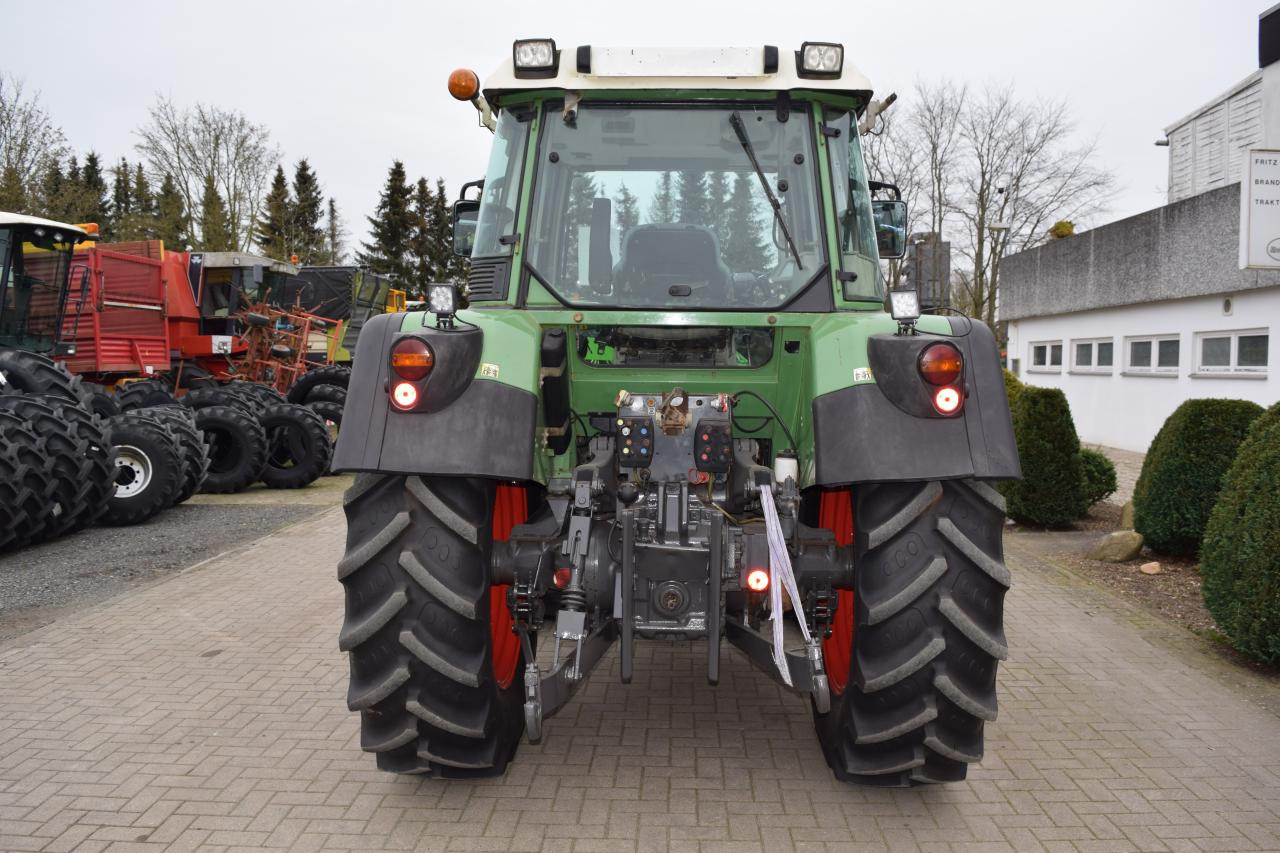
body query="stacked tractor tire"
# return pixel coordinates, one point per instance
(251, 433)
(73, 454)
(324, 391)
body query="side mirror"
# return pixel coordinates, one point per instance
(891, 227)
(465, 215)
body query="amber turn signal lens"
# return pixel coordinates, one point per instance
(412, 359)
(941, 364)
(464, 84)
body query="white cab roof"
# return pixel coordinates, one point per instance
(23, 219)
(636, 68)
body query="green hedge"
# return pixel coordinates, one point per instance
(1240, 561)
(1183, 472)
(1099, 476)
(1051, 491)
(1012, 387)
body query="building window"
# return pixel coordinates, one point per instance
(1240, 353)
(1094, 356)
(1158, 355)
(1046, 357)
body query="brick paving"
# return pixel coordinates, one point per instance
(208, 712)
(1128, 466)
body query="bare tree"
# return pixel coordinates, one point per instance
(29, 140)
(203, 143)
(893, 156)
(1019, 175)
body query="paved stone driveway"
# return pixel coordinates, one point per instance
(207, 711)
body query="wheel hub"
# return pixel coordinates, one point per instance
(133, 471)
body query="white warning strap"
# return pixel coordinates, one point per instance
(782, 575)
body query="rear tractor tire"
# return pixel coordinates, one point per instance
(913, 673)
(333, 374)
(436, 672)
(237, 448)
(26, 483)
(181, 425)
(143, 394)
(32, 373)
(299, 447)
(149, 470)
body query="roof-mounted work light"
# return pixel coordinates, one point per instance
(534, 58)
(820, 59)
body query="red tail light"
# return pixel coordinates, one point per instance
(412, 359)
(941, 364)
(405, 394)
(947, 400)
(757, 580)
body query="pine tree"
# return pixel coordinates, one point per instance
(663, 208)
(626, 210)
(308, 208)
(744, 247)
(121, 190)
(52, 199)
(13, 196)
(582, 194)
(171, 223)
(215, 223)
(691, 198)
(391, 227)
(94, 206)
(144, 203)
(718, 195)
(335, 235)
(445, 264)
(420, 254)
(272, 232)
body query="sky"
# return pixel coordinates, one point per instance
(352, 86)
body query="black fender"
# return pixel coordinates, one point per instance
(880, 433)
(469, 426)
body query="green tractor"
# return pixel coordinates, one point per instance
(675, 410)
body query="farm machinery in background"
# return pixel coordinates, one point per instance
(127, 379)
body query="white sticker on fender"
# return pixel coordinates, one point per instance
(863, 374)
(489, 371)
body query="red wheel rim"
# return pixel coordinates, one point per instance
(510, 507)
(835, 512)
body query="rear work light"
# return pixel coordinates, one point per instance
(757, 580)
(412, 359)
(941, 364)
(947, 400)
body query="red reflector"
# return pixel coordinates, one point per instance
(757, 580)
(561, 577)
(412, 359)
(946, 400)
(405, 394)
(941, 364)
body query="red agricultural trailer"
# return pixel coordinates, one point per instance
(137, 310)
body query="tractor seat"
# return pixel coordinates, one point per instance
(661, 261)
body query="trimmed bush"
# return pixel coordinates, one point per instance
(1183, 472)
(1240, 561)
(1012, 387)
(1051, 491)
(1099, 476)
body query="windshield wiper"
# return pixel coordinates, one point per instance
(741, 130)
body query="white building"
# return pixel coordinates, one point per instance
(1132, 318)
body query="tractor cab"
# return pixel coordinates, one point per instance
(225, 283)
(35, 267)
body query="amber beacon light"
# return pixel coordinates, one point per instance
(464, 84)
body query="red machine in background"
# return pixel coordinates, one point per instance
(138, 310)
